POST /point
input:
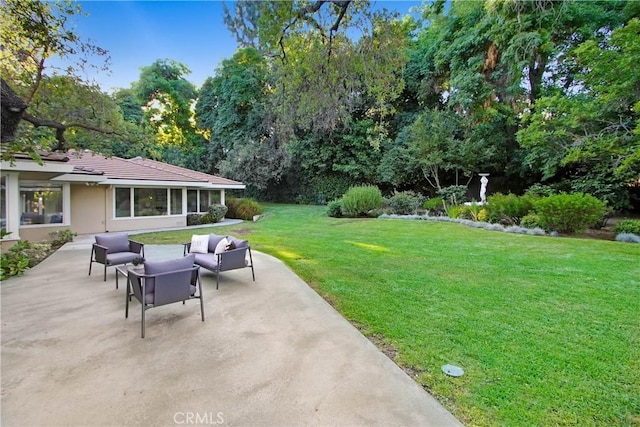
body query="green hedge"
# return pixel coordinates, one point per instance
(569, 213)
(243, 208)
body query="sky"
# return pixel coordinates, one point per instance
(137, 33)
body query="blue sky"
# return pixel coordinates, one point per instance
(137, 33)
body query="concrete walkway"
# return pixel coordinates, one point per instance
(270, 353)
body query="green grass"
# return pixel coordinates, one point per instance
(546, 329)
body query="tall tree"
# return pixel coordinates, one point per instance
(32, 33)
(168, 99)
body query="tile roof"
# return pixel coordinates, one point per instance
(139, 169)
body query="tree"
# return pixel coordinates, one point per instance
(31, 34)
(590, 141)
(167, 100)
(243, 144)
(333, 57)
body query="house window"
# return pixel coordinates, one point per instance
(192, 201)
(40, 203)
(150, 201)
(123, 202)
(176, 201)
(200, 200)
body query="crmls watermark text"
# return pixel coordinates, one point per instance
(198, 418)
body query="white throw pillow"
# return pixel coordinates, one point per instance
(199, 244)
(221, 246)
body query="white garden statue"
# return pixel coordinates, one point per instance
(483, 187)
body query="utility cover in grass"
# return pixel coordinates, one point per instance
(453, 371)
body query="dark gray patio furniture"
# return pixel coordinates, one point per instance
(164, 282)
(231, 259)
(114, 249)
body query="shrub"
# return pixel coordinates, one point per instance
(61, 237)
(334, 208)
(530, 221)
(454, 211)
(454, 194)
(193, 219)
(628, 238)
(472, 211)
(359, 201)
(215, 213)
(569, 213)
(404, 203)
(630, 226)
(435, 206)
(508, 208)
(243, 208)
(15, 261)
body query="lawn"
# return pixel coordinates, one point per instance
(546, 329)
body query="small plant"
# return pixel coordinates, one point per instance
(473, 211)
(15, 261)
(61, 237)
(631, 226)
(530, 221)
(454, 211)
(360, 201)
(434, 206)
(334, 208)
(404, 203)
(137, 261)
(3, 233)
(193, 219)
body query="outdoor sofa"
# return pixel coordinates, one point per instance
(218, 253)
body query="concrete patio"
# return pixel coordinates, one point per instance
(271, 352)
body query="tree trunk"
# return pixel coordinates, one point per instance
(13, 108)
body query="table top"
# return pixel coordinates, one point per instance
(127, 268)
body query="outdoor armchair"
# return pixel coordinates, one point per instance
(114, 249)
(164, 282)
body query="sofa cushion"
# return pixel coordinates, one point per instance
(214, 239)
(221, 246)
(199, 244)
(208, 261)
(237, 243)
(114, 242)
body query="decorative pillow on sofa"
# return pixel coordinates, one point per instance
(199, 244)
(221, 246)
(214, 239)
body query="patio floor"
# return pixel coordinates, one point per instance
(271, 352)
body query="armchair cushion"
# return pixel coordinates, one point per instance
(199, 244)
(157, 267)
(116, 242)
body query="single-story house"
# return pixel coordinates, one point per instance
(90, 193)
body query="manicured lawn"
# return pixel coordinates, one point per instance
(546, 329)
